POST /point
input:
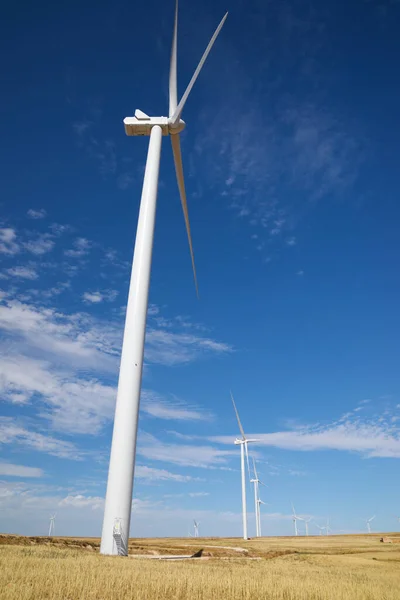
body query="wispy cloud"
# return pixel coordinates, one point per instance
(97, 297)
(60, 360)
(81, 247)
(79, 501)
(22, 272)
(40, 245)
(156, 405)
(11, 470)
(36, 214)
(153, 474)
(170, 348)
(372, 438)
(8, 241)
(17, 435)
(204, 456)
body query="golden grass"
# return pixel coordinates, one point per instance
(332, 568)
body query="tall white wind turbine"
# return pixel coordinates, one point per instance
(368, 521)
(117, 511)
(52, 526)
(243, 450)
(257, 499)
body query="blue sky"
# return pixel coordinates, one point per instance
(291, 161)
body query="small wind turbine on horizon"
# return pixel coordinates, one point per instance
(257, 499)
(243, 450)
(306, 522)
(118, 501)
(196, 528)
(321, 529)
(295, 518)
(368, 521)
(328, 527)
(52, 526)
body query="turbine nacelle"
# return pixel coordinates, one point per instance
(142, 124)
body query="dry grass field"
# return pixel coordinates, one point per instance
(356, 567)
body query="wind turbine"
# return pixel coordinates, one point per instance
(328, 527)
(117, 511)
(52, 526)
(321, 529)
(368, 521)
(243, 449)
(257, 499)
(196, 528)
(306, 522)
(295, 518)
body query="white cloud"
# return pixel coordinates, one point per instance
(97, 297)
(92, 297)
(153, 474)
(79, 501)
(76, 339)
(377, 437)
(8, 244)
(19, 470)
(22, 272)
(36, 214)
(60, 360)
(42, 244)
(71, 403)
(185, 455)
(198, 494)
(155, 405)
(170, 348)
(12, 433)
(81, 247)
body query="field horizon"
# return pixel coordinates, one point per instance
(335, 567)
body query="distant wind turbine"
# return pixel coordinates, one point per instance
(368, 521)
(52, 526)
(328, 527)
(196, 528)
(118, 502)
(257, 499)
(243, 449)
(321, 529)
(306, 522)
(295, 518)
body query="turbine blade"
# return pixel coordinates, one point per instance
(173, 85)
(176, 116)
(262, 483)
(294, 512)
(254, 467)
(237, 416)
(176, 150)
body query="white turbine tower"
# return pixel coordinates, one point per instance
(243, 450)
(321, 529)
(295, 518)
(118, 503)
(257, 499)
(52, 526)
(368, 521)
(196, 528)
